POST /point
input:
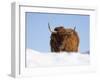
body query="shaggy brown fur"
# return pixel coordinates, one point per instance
(64, 40)
(55, 41)
(70, 41)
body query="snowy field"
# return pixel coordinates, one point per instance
(37, 59)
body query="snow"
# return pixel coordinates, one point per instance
(37, 59)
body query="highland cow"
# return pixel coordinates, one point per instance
(64, 39)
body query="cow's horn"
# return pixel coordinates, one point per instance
(74, 28)
(50, 29)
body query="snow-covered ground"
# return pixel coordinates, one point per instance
(37, 59)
